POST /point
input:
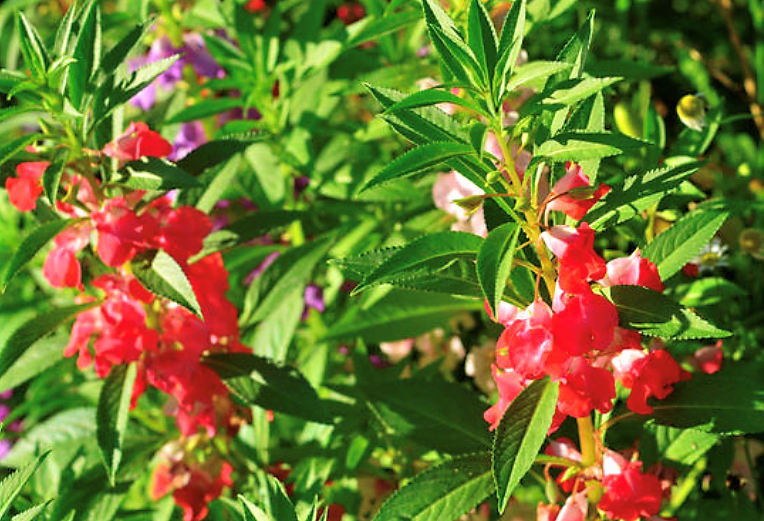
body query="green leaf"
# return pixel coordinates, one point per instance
(578, 145)
(439, 415)
(251, 511)
(12, 485)
(576, 48)
(707, 291)
(275, 332)
(151, 173)
(446, 491)
(35, 55)
(35, 512)
(638, 193)
(654, 314)
(36, 359)
(417, 159)
(52, 176)
(441, 247)
(10, 80)
(265, 163)
(64, 33)
(87, 53)
(259, 381)
(10, 112)
(215, 183)
(371, 27)
(163, 276)
(676, 246)
(248, 228)
(566, 93)
(728, 402)
(494, 262)
(32, 244)
(204, 108)
(510, 44)
(36, 328)
(112, 415)
(481, 37)
(683, 446)
(213, 153)
(16, 145)
(534, 71)
(117, 55)
(288, 273)
(426, 98)
(520, 435)
(401, 314)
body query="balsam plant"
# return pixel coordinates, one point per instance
(259, 281)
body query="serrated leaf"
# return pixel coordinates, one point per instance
(163, 276)
(52, 176)
(481, 37)
(533, 71)
(12, 485)
(116, 55)
(638, 193)
(520, 435)
(437, 414)
(676, 246)
(446, 491)
(16, 145)
(578, 145)
(32, 244)
(112, 414)
(510, 43)
(566, 93)
(36, 328)
(204, 108)
(259, 381)
(400, 315)
(35, 55)
(494, 262)
(417, 159)
(730, 401)
(87, 53)
(151, 173)
(429, 97)
(437, 246)
(32, 513)
(654, 314)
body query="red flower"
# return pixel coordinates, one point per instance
(24, 190)
(255, 6)
(633, 270)
(708, 359)
(138, 141)
(526, 343)
(586, 324)
(62, 269)
(194, 485)
(630, 494)
(351, 12)
(586, 388)
(573, 195)
(574, 249)
(652, 375)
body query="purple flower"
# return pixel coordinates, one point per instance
(261, 268)
(300, 184)
(314, 298)
(6, 395)
(4, 412)
(190, 136)
(5, 447)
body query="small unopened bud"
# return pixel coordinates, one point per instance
(471, 203)
(691, 109)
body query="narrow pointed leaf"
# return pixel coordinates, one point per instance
(426, 98)
(437, 246)
(481, 37)
(151, 173)
(577, 146)
(32, 244)
(204, 108)
(12, 485)
(35, 512)
(64, 34)
(678, 245)
(112, 415)
(52, 176)
(35, 54)
(417, 159)
(567, 93)
(510, 43)
(494, 262)
(251, 511)
(654, 314)
(520, 435)
(87, 52)
(17, 145)
(446, 491)
(163, 276)
(116, 55)
(534, 71)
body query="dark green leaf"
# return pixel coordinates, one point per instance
(494, 262)
(676, 246)
(16, 145)
(654, 314)
(35, 54)
(87, 52)
(164, 277)
(117, 55)
(638, 193)
(426, 98)
(151, 173)
(446, 491)
(32, 244)
(204, 108)
(248, 228)
(629, 69)
(510, 43)
(481, 37)
(36, 328)
(728, 402)
(52, 176)
(441, 246)
(64, 33)
(437, 414)
(112, 414)
(417, 159)
(12, 485)
(520, 435)
(259, 381)
(213, 153)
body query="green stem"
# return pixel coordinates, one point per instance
(586, 441)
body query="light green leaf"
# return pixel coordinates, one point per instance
(112, 415)
(87, 53)
(654, 314)
(12, 485)
(151, 173)
(533, 71)
(163, 276)
(567, 93)
(446, 491)
(683, 446)
(578, 145)
(520, 435)
(481, 37)
(35, 55)
(676, 246)
(17, 145)
(251, 511)
(707, 291)
(52, 176)
(417, 159)
(510, 44)
(37, 358)
(494, 262)
(35, 512)
(205, 108)
(371, 27)
(426, 98)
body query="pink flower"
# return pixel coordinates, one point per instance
(451, 187)
(24, 190)
(526, 343)
(708, 359)
(572, 194)
(633, 270)
(62, 269)
(138, 141)
(507, 313)
(510, 385)
(574, 249)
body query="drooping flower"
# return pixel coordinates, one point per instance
(573, 195)
(24, 189)
(633, 270)
(648, 375)
(136, 142)
(510, 384)
(574, 249)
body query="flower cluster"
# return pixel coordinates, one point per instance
(132, 325)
